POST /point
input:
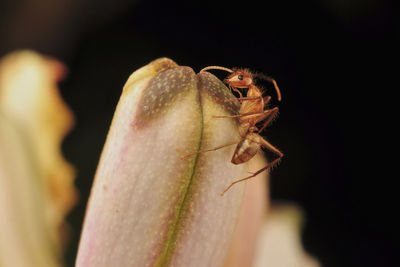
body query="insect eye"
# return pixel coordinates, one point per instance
(240, 77)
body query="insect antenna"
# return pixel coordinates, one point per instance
(272, 80)
(216, 68)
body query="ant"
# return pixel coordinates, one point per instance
(251, 112)
(252, 106)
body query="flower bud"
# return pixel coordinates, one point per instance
(148, 206)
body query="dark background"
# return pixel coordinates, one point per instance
(331, 60)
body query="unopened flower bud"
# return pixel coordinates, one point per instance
(148, 205)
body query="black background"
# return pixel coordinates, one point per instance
(330, 58)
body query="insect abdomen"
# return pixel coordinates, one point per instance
(245, 150)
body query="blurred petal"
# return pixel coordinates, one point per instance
(254, 207)
(34, 122)
(148, 207)
(24, 241)
(279, 242)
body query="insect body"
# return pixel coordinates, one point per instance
(252, 111)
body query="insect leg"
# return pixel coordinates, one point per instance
(270, 147)
(266, 100)
(253, 175)
(237, 91)
(250, 114)
(238, 98)
(241, 98)
(270, 116)
(208, 150)
(272, 80)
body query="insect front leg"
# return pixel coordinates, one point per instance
(236, 90)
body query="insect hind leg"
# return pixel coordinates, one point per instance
(209, 150)
(271, 164)
(271, 148)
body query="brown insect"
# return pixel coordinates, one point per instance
(252, 111)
